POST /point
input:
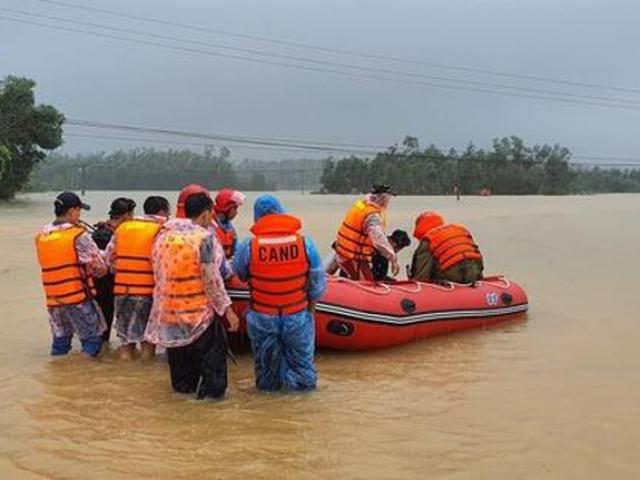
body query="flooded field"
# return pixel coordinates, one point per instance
(554, 396)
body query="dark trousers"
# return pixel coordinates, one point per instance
(201, 367)
(104, 298)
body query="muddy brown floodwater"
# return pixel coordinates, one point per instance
(554, 396)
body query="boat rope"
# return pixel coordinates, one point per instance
(417, 289)
(496, 281)
(368, 286)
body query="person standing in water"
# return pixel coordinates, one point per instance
(225, 207)
(190, 302)
(121, 209)
(129, 257)
(69, 259)
(362, 233)
(286, 278)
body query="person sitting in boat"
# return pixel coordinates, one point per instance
(225, 207)
(362, 234)
(399, 240)
(286, 278)
(446, 252)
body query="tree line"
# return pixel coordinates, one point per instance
(508, 168)
(151, 169)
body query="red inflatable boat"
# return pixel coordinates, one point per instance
(363, 316)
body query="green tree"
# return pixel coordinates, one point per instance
(4, 160)
(26, 131)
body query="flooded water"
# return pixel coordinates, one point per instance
(555, 396)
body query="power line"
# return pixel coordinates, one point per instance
(347, 52)
(176, 142)
(262, 141)
(332, 71)
(373, 150)
(322, 62)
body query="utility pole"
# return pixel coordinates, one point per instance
(456, 187)
(83, 179)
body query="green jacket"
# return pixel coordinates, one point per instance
(425, 268)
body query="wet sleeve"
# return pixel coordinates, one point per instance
(109, 254)
(422, 263)
(241, 259)
(224, 264)
(89, 255)
(375, 231)
(317, 274)
(214, 288)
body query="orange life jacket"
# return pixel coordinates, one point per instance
(278, 267)
(181, 296)
(227, 240)
(134, 273)
(352, 243)
(63, 277)
(450, 244)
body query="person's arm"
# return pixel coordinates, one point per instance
(226, 269)
(317, 276)
(422, 263)
(90, 256)
(109, 254)
(240, 264)
(210, 261)
(374, 229)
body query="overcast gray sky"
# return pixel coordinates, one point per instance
(114, 81)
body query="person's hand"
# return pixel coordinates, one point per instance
(233, 321)
(312, 307)
(395, 267)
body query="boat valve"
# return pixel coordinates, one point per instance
(338, 327)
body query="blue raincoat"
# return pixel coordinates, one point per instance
(283, 346)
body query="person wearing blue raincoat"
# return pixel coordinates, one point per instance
(286, 278)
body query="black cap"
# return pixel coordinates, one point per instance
(380, 188)
(67, 200)
(120, 206)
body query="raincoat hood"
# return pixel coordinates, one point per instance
(266, 205)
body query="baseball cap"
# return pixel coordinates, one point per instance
(67, 200)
